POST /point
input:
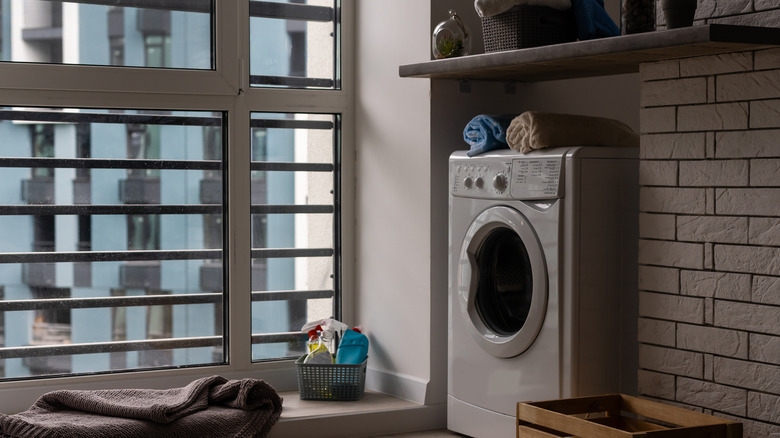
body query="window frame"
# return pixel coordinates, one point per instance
(225, 88)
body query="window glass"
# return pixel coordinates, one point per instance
(294, 246)
(137, 33)
(111, 224)
(293, 44)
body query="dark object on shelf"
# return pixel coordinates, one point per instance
(678, 13)
(638, 16)
(528, 26)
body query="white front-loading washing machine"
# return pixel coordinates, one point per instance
(542, 281)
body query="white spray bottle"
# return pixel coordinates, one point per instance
(329, 327)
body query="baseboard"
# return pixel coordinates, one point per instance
(397, 385)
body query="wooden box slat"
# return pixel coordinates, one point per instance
(617, 416)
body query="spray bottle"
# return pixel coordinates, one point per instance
(328, 328)
(317, 351)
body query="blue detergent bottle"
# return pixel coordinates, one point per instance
(353, 348)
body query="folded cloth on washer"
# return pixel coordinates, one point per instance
(486, 132)
(592, 20)
(489, 8)
(209, 407)
(536, 130)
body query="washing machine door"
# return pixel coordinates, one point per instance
(502, 282)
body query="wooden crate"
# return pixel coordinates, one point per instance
(617, 416)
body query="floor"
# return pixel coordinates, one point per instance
(426, 434)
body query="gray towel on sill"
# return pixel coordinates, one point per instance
(211, 407)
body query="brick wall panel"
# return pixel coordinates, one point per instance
(711, 284)
(658, 173)
(674, 92)
(746, 202)
(719, 8)
(764, 406)
(662, 119)
(656, 331)
(672, 200)
(748, 259)
(676, 254)
(671, 307)
(768, 18)
(751, 317)
(656, 384)
(764, 114)
(764, 348)
(712, 396)
(717, 173)
(715, 117)
(750, 375)
(651, 71)
(716, 64)
(764, 173)
(659, 279)
(766, 59)
(764, 230)
(766, 290)
(671, 361)
(657, 226)
(720, 229)
(709, 300)
(755, 429)
(747, 144)
(713, 340)
(673, 146)
(748, 86)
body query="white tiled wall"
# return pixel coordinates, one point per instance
(709, 251)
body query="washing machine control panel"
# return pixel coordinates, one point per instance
(537, 178)
(484, 179)
(512, 178)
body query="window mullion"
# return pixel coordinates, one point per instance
(237, 245)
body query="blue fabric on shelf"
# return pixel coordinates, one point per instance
(486, 132)
(592, 20)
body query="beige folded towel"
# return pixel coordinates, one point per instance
(536, 130)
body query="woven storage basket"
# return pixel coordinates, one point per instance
(528, 26)
(342, 382)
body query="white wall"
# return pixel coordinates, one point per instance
(393, 198)
(406, 129)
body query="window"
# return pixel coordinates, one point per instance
(180, 215)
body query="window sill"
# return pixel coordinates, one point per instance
(374, 414)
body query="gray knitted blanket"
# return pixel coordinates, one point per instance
(211, 407)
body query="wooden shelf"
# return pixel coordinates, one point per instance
(600, 57)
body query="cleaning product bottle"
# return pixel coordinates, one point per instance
(319, 355)
(353, 348)
(314, 339)
(328, 328)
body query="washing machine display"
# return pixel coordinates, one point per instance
(537, 256)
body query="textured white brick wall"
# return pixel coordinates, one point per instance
(709, 249)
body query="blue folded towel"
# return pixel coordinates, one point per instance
(592, 20)
(486, 132)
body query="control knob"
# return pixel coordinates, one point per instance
(468, 182)
(499, 182)
(479, 182)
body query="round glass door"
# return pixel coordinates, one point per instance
(506, 295)
(505, 287)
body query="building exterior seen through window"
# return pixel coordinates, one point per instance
(113, 218)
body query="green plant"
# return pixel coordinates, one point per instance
(450, 47)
